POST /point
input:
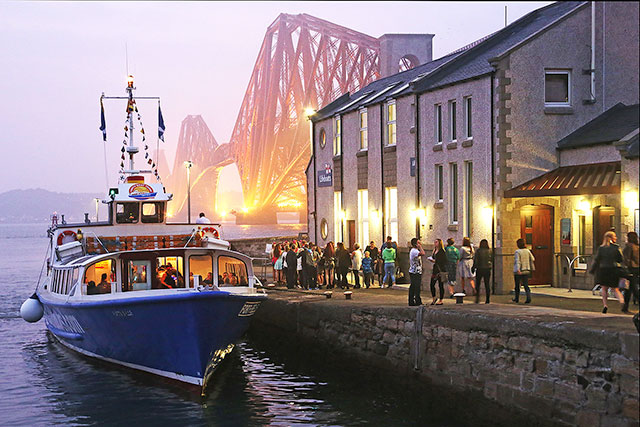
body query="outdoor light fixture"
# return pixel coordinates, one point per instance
(343, 215)
(375, 214)
(584, 205)
(631, 199)
(245, 209)
(420, 213)
(487, 211)
(308, 112)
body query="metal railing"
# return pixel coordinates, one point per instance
(263, 264)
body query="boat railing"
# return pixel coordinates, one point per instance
(191, 237)
(99, 241)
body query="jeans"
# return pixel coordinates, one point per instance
(414, 289)
(524, 280)
(483, 274)
(436, 277)
(341, 274)
(368, 278)
(633, 288)
(356, 279)
(389, 271)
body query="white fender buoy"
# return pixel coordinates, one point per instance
(31, 310)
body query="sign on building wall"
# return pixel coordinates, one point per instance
(325, 176)
(565, 231)
(412, 166)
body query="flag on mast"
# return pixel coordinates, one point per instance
(160, 124)
(103, 124)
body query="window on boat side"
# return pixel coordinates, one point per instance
(98, 277)
(152, 212)
(169, 272)
(232, 272)
(138, 275)
(127, 213)
(63, 280)
(202, 266)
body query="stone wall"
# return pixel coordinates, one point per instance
(255, 247)
(564, 372)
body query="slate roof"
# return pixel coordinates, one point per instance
(610, 126)
(458, 66)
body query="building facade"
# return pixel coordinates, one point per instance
(441, 150)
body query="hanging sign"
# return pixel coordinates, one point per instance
(325, 176)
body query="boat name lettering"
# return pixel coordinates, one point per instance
(248, 309)
(64, 322)
(122, 313)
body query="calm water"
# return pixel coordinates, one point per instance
(43, 383)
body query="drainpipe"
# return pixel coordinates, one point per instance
(593, 52)
(315, 183)
(382, 210)
(493, 188)
(342, 221)
(417, 149)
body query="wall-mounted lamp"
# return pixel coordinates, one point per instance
(488, 212)
(420, 213)
(631, 199)
(375, 214)
(584, 205)
(343, 215)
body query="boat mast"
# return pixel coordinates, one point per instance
(131, 149)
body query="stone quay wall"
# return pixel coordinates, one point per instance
(255, 247)
(557, 370)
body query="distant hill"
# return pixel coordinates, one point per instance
(37, 205)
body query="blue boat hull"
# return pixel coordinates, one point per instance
(181, 336)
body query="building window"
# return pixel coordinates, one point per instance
(468, 197)
(324, 229)
(363, 217)
(557, 88)
(468, 118)
(323, 138)
(439, 183)
(391, 212)
(453, 193)
(452, 121)
(337, 136)
(391, 123)
(337, 216)
(438, 123)
(364, 143)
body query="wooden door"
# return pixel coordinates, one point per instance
(536, 228)
(604, 219)
(351, 227)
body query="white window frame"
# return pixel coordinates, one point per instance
(453, 121)
(468, 117)
(437, 125)
(391, 124)
(556, 72)
(364, 138)
(337, 136)
(468, 198)
(363, 218)
(454, 210)
(581, 241)
(337, 216)
(391, 211)
(439, 180)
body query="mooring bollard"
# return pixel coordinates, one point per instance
(347, 295)
(328, 294)
(271, 285)
(459, 297)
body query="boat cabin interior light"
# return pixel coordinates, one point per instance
(146, 212)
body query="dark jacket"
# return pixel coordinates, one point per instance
(306, 257)
(292, 260)
(441, 261)
(483, 258)
(607, 257)
(374, 253)
(631, 255)
(343, 259)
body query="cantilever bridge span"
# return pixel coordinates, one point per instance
(304, 62)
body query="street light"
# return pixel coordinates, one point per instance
(188, 164)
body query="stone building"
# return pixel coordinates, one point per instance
(439, 150)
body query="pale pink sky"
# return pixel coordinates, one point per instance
(58, 57)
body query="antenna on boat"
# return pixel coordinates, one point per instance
(131, 149)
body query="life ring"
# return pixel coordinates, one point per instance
(211, 230)
(65, 233)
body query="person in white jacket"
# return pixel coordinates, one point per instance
(522, 267)
(356, 263)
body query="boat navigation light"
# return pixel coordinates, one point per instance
(130, 81)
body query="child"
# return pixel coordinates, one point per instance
(367, 269)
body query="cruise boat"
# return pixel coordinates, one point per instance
(169, 299)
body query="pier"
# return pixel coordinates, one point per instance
(564, 367)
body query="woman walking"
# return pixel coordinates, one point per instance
(523, 265)
(328, 259)
(482, 262)
(605, 264)
(465, 264)
(631, 257)
(439, 258)
(415, 272)
(343, 262)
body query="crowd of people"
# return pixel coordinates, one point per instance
(467, 268)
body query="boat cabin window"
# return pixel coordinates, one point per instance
(169, 272)
(152, 212)
(138, 274)
(98, 277)
(201, 265)
(127, 213)
(232, 272)
(63, 280)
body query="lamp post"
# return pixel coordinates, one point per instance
(97, 201)
(188, 164)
